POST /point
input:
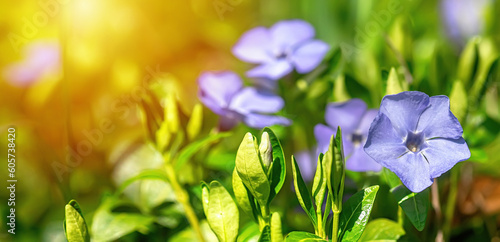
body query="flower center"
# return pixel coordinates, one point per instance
(356, 138)
(415, 141)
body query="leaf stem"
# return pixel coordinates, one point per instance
(437, 209)
(450, 204)
(183, 198)
(336, 215)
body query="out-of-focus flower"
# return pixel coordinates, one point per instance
(225, 95)
(41, 59)
(416, 137)
(354, 119)
(279, 49)
(307, 163)
(464, 18)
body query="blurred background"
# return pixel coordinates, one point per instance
(73, 72)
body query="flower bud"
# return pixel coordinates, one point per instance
(266, 150)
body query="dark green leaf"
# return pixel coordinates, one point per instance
(278, 169)
(265, 235)
(355, 214)
(415, 205)
(302, 193)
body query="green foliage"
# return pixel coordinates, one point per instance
(303, 194)
(75, 227)
(298, 236)
(355, 214)
(415, 205)
(277, 171)
(382, 229)
(222, 213)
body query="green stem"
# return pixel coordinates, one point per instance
(450, 204)
(401, 216)
(183, 198)
(335, 229)
(319, 214)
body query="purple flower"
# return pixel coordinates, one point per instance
(464, 18)
(416, 137)
(279, 49)
(225, 95)
(354, 120)
(41, 59)
(307, 161)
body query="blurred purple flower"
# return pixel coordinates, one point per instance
(354, 119)
(41, 59)
(464, 18)
(224, 94)
(307, 161)
(416, 137)
(277, 50)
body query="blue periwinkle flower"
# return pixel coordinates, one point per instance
(464, 18)
(280, 49)
(417, 137)
(354, 119)
(224, 94)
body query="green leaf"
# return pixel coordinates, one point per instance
(108, 226)
(278, 167)
(340, 93)
(75, 227)
(251, 170)
(319, 185)
(191, 149)
(299, 236)
(415, 205)
(223, 215)
(244, 198)
(393, 83)
(391, 178)
(265, 235)
(488, 62)
(356, 213)
(250, 232)
(382, 229)
(302, 193)
(334, 164)
(458, 100)
(468, 62)
(276, 234)
(146, 174)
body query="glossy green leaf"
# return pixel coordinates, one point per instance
(355, 214)
(334, 165)
(276, 233)
(244, 198)
(75, 227)
(186, 153)
(277, 173)
(299, 236)
(265, 235)
(195, 122)
(249, 232)
(468, 62)
(223, 216)
(393, 83)
(109, 226)
(415, 205)
(382, 229)
(302, 193)
(251, 170)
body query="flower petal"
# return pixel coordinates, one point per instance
(307, 164)
(438, 121)
(308, 56)
(254, 46)
(250, 100)
(271, 70)
(443, 154)
(217, 89)
(347, 115)
(287, 34)
(360, 161)
(366, 121)
(383, 143)
(260, 121)
(323, 134)
(404, 109)
(413, 170)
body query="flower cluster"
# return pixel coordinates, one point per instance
(278, 50)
